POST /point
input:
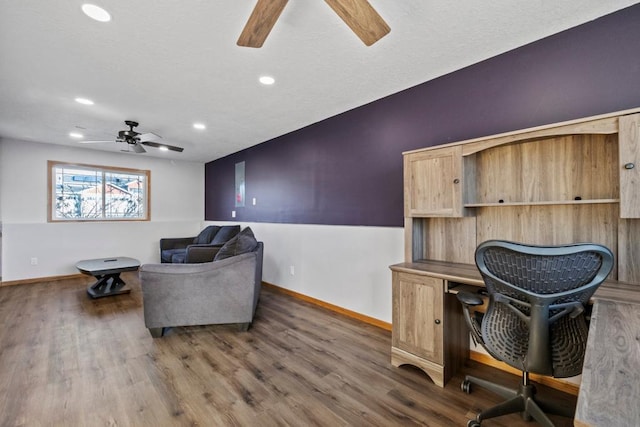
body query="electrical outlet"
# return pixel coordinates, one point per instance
(34, 261)
(292, 270)
(233, 214)
(254, 201)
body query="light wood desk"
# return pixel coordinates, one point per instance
(610, 388)
(574, 181)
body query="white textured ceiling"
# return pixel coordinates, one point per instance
(169, 63)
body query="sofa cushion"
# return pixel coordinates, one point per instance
(179, 258)
(239, 244)
(225, 233)
(168, 254)
(206, 235)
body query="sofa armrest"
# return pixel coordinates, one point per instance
(201, 253)
(199, 294)
(175, 242)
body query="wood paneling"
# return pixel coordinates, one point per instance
(551, 225)
(449, 239)
(629, 251)
(555, 169)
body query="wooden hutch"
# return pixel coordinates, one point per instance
(575, 181)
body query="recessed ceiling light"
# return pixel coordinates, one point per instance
(199, 126)
(84, 101)
(163, 148)
(267, 80)
(96, 12)
(76, 135)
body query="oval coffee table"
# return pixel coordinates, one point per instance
(107, 271)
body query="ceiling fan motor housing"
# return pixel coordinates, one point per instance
(129, 136)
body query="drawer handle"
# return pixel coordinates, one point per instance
(437, 321)
(629, 166)
(456, 181)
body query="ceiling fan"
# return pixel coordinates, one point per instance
(136, 140)
(359, 15)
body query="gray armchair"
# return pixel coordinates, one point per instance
(535, 320)
(217, 292)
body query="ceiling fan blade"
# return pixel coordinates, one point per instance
(149, 136)
(362, 18)
(159, 145)
(138, 148)
(260, 23)
(94, 142)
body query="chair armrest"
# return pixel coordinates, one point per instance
(467, 298)
(201, 253)
(175, 242)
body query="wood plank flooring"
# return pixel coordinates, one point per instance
(67, 360)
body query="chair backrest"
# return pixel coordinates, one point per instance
(535, 319)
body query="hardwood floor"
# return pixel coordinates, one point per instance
(67, 360)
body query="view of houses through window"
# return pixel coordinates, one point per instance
(85, 192)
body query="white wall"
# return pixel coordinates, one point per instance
(343, 265)
(177, 209)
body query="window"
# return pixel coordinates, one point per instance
(80, 192)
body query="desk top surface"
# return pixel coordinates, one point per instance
(107, 265)
(610, 384)
(610, 290)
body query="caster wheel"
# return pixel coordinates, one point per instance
(466, 386)
(473, 423)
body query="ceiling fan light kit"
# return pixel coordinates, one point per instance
(359, 15)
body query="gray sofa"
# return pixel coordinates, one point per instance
(217, 292)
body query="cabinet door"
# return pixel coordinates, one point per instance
(417, 315)
(433, 182)
(629, 149)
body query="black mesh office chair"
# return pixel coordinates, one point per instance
(535, 319)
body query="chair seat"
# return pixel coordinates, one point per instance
(508, 340)
(179, 258)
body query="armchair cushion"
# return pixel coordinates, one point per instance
(179, 258)
(167, 254)
(239, 244)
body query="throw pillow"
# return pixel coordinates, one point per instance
(239, 244)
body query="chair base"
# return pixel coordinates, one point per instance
(523, 400)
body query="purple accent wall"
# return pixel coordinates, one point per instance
(347, 170)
